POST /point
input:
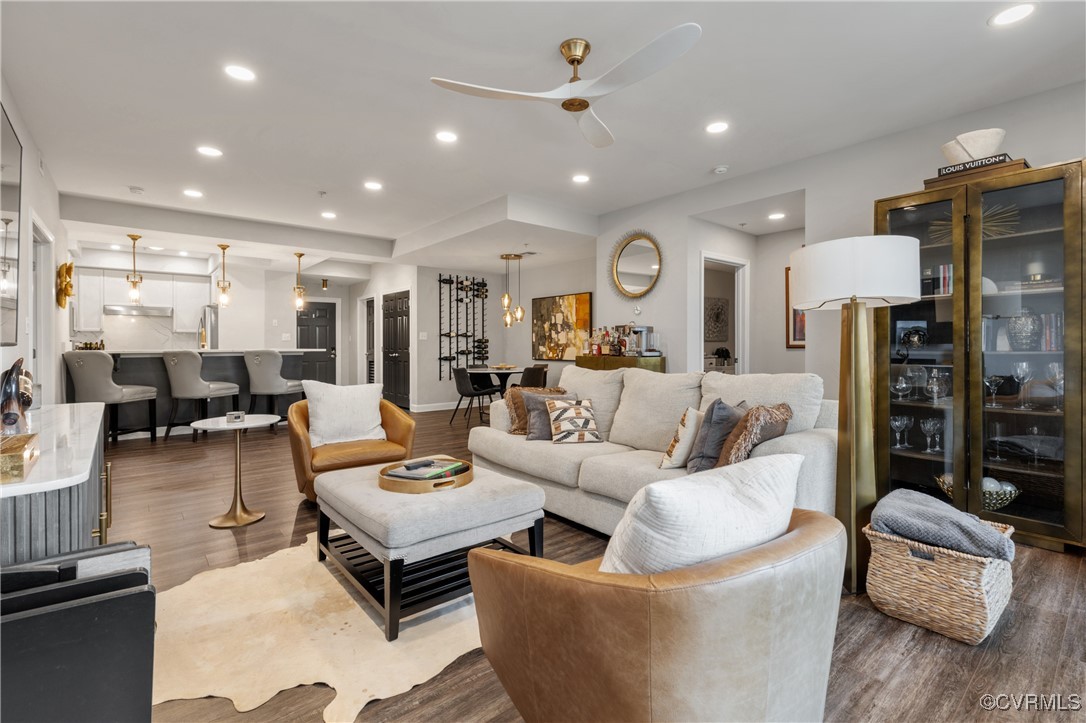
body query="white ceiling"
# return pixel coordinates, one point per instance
(120, 94)
(753, 217)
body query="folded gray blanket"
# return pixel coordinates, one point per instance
(923, 518)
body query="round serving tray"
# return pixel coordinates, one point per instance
(422, 486)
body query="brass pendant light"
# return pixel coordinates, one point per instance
(135, 278)
(515, 314)
(223, 284)
(299, 290)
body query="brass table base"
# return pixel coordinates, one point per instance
(238, 515)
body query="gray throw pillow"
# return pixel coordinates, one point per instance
(720, 419)
(539, 417)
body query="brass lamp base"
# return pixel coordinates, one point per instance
(238, 515)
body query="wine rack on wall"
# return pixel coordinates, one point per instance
(461, 317)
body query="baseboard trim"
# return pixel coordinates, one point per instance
(435, 407)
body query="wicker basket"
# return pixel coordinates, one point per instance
(955, 594)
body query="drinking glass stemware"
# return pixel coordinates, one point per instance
(1055, 378)
(1033, 434)
(937, 432)
(908, 425)
(995, 433)
(927, 426)
(900, 387)
(1023, 373)
(993, 382)
(897, 424)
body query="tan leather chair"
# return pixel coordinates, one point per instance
(309, 461)
(746, 637)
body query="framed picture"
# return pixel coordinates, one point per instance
(795, 321)
(716, 319)
(560, 326)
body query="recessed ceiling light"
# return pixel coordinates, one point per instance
(114, 247)
(193, 193)
(446, 136)
(237, 72)
(182, 253)
(720, 170)
(716, 127)
(373, 185)
(1011, 15)
(209, 151)
(775, 216)
(155, 248)
(581, 178)
(328, 214)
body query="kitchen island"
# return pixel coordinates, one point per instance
(145, 366)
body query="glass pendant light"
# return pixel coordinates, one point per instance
(223, 284)
(134, 279)
(299, 290)
(518, 313)
(507, 300)
(511, 313)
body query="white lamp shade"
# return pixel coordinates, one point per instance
(878, 270)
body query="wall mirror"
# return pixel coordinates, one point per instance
(11, 163)
(635, 266)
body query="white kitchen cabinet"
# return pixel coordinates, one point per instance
(115, 288)
(156, 290)
(87, 306)
(190, 295)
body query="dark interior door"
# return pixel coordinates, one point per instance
(317, 330)
(370, 371)
(395, 353)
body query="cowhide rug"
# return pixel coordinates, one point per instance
(249, 631)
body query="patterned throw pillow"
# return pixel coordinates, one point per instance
(518, 414)
(720, 419)
(678, 452)
(757, 425)
(572, 421)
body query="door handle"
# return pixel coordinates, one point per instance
(333, 353)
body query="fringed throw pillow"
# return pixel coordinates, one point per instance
(514, 403)
(757, 425)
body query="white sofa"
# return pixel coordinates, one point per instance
(637, 412)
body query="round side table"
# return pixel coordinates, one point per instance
(238, 515)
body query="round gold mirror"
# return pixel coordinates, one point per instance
(635, 266)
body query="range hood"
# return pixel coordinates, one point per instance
(136, 310)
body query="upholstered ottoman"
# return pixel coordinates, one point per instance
(408, 552)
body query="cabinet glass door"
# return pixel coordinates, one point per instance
(920, 444)
(1029, 305)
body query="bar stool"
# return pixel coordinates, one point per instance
(92, 374)
(183, 368)
(265, 379)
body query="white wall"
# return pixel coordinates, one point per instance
(241, 323)
(841, 188)
(768, 353)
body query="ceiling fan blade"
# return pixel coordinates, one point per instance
(497, 93)
(593, 129)
(657, 55)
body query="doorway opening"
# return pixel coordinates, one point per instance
(724, 332)
(317, 330)
(396, 348)
(371, 368)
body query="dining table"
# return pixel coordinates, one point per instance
(501, 373)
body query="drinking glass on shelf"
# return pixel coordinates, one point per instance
(917, 377)
(996, 430)
(898, 424)
(908, 425)
(901, 387)
(937, 386)
(927, 426)
(993, 382)
(1033, 439)
(1055, 379)
(937, 429)
(1023, 373)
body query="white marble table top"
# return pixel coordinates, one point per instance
(495, 370)
(203, 352)
(67, 437)
(219, 424)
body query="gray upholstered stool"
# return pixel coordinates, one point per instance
(183, 367)
(92, 374)
(417, 544)
(265, 379)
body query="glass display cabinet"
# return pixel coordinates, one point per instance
(979, 383)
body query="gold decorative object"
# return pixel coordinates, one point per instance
(422, 486)
(65, 272)
(996, 220)
(223, 284)
(20, 452)
(299, 290)
(639, 246)
(134, 279)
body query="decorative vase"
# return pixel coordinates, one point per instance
(1024, 331)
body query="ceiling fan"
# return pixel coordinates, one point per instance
(577, 95)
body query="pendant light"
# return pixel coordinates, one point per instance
(517, 313)
(507, 300)
(135, 278)
(299, 290)
(223, 284)
(5, 265)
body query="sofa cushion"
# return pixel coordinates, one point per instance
(343, 413)
(693, 519)
(341, 455)
(620, 476)
(719, 421)
(559, 463)
(678, 450)
(514, 402)
(572, 421)
(651, 405)
(802, 392)
(758, 425)
(604, 388)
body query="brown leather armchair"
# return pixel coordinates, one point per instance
(746, 637)
(309, 461)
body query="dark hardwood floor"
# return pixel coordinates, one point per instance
(883, 669)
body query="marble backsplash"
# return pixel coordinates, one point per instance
(139, 332)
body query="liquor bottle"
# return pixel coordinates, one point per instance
(605, 344)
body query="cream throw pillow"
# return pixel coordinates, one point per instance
(678, 452)
(682, 522)
(343, 414)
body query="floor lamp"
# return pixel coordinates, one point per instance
(853, 275)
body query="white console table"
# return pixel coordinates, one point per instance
(59, 506)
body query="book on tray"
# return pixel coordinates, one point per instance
(429, 469)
